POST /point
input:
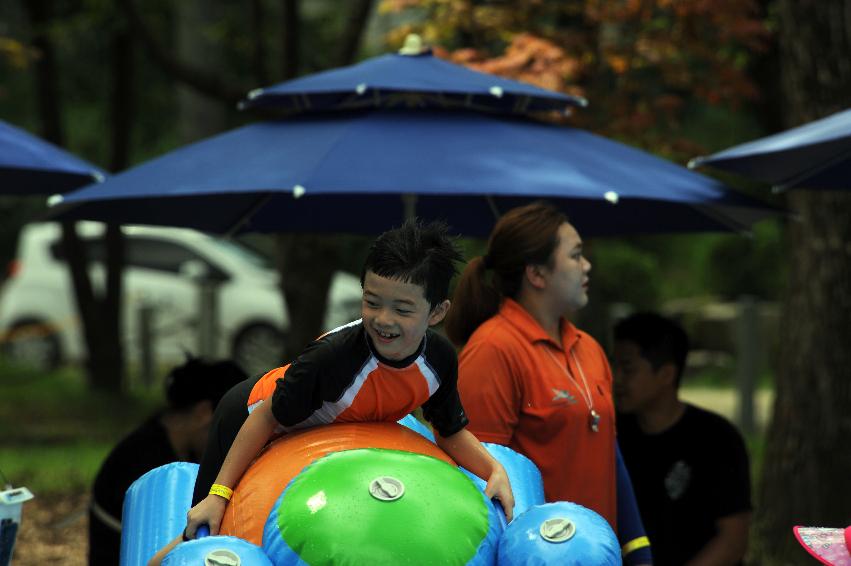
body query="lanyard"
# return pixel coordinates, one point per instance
(584, 392)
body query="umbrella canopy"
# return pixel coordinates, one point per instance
(30, 165)
(816, 155)
(352, 173)
(408, 80)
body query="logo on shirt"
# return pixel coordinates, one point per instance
(677, 480)
(563, 394)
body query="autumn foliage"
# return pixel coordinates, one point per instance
(641, 63)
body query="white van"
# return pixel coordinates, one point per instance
(38, 314)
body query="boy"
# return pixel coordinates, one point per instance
(689, 467)
(378, 368)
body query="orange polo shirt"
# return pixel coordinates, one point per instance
(515, 385)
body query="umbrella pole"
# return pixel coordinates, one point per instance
(409, 206)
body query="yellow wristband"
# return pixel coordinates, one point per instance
(634, 544)
(222, 491)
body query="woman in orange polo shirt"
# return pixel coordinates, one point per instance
(528, 378)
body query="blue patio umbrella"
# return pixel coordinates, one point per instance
(354, 173)
(816, 155)
(30, 165)
(413, 78)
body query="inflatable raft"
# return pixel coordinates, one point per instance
(365, 493)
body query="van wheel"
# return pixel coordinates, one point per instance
(33, 343)
(258, 348)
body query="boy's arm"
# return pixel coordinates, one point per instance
(469, 453)
(252, 437)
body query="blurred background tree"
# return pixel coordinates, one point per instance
(678, 78)
(807, 444)
(158, 75)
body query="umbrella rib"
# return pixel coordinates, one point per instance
(249, 212)
(722, 218)
(798, 179)
(492, 205)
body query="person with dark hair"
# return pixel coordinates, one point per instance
(177, 433)
(531, 380)
(376, 369)
(689, 466)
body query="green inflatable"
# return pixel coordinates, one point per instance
(376, 506)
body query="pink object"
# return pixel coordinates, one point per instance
(828, 546)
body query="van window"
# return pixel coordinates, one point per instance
(146, 253)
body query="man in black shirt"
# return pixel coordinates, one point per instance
(177, 433)
(689, 467)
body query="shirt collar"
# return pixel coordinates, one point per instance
(520, 318)
(398, 364)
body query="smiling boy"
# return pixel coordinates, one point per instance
(376, 369)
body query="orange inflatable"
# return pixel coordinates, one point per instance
(266, 478)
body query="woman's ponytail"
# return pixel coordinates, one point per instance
(475, 300)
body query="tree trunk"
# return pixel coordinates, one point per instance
(807, 460)
(350, 42)
(200, 115)
(100, 318)
(307, 262)
(209, 83)
(259, 53)
(290, 52)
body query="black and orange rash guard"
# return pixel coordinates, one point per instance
(340, 378)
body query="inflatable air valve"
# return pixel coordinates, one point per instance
(559, 533)
(377, 506)
(216, 551)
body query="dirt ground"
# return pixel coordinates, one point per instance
(53, 531)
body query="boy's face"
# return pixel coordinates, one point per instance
(396, 315)
(637, 386)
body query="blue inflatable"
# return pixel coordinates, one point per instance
(154, 512)
(217, 551)
(560, 533)
(415, 425)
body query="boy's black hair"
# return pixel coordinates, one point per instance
(422, 254)
(199, 380)
(660, 339)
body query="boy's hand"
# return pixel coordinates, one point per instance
(499, 488)
(469, 453)
(209, 511)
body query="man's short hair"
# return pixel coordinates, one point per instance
(422, 254)
(660, 339)
(199, 380)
